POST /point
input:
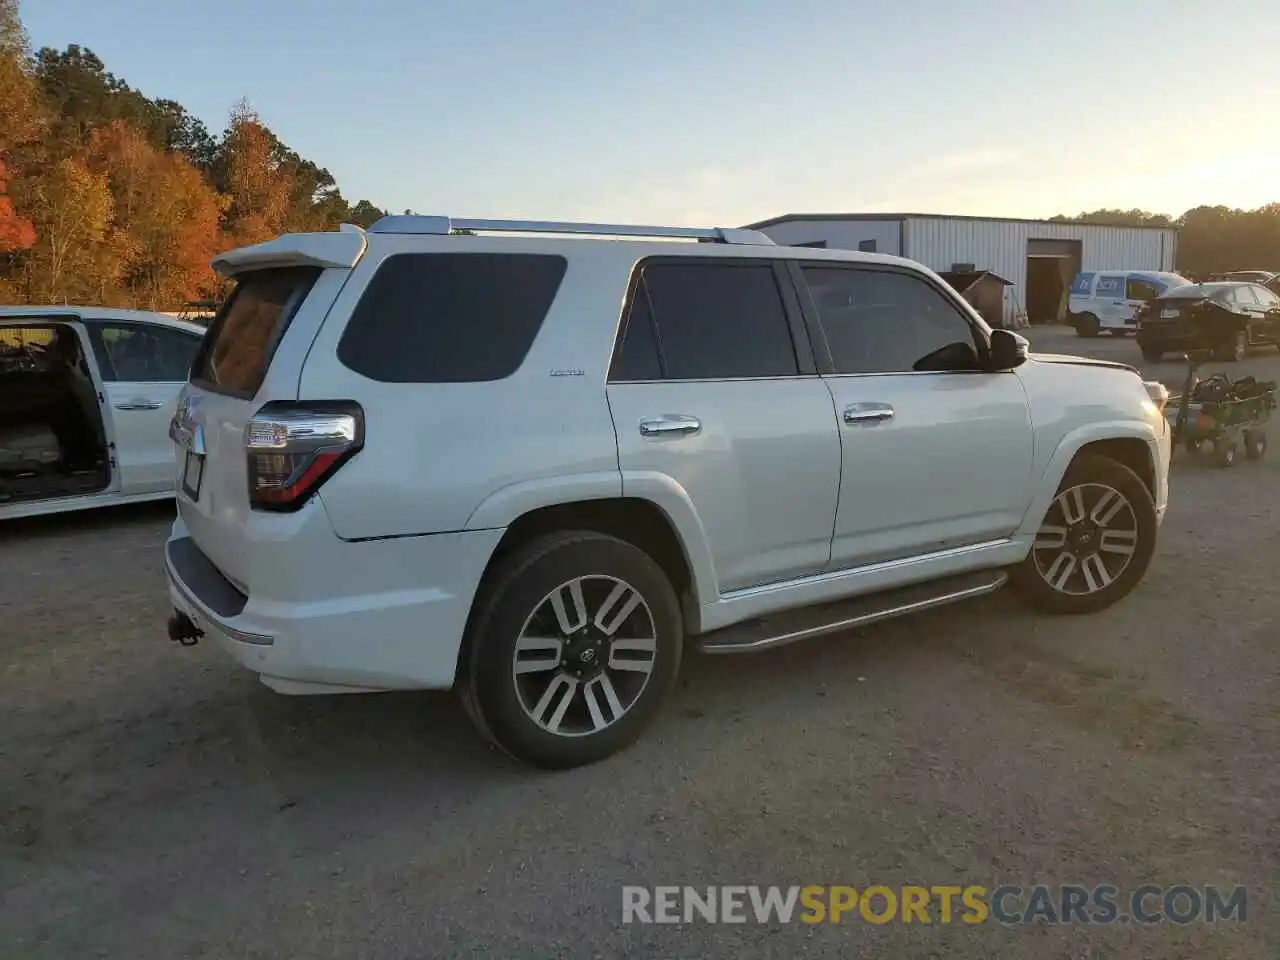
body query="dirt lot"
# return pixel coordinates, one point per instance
(157, 802)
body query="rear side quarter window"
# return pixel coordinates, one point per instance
(450, 317)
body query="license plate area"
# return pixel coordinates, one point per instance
(1170, 313)
(192, 474)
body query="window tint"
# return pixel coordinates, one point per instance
(142, 353)
(716, 321)
(1140, 289)
(450, 317)
(239, 345)
(888, 322)
(637, 355)
(867, 246)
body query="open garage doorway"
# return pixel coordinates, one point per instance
(1051, 266)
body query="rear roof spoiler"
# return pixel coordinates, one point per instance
(341, 249)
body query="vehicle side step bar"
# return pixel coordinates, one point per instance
(766, 633)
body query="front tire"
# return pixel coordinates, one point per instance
(1088, 325)
(575, 645)
(1152, 353)
(1095, 542)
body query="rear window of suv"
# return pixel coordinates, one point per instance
(243, 337)
(450, 317)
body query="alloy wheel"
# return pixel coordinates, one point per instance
(584, 656)
(1089, 535)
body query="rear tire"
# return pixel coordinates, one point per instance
(1225, 453)
(1095, 542)
(552, 675)
(1088, 325)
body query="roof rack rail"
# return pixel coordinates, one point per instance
(437, 225)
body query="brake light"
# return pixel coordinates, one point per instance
(294, 447)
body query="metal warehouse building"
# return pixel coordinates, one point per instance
(1039, 258)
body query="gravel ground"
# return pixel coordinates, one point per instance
(158, 802)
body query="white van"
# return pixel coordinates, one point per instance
(86, 397)
(1109, 299)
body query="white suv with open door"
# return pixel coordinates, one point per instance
(86, 396)
(534, 464)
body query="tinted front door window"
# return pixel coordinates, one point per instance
(889, 322)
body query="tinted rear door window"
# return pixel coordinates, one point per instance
(716, 321)
(243, 337)
(450, 317)
(637, 354)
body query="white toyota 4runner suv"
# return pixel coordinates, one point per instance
(534, 463)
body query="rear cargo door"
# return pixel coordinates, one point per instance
(252, 353)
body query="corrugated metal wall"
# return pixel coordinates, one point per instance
(1001, 246)
(996, 245)
(838, 234)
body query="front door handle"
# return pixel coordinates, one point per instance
(138, 403)
(868, 413)
(669, 425)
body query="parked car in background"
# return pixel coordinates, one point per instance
(86, 396)
(1226, 317)
(1268, 278)
(536, 465)
(1108, 300)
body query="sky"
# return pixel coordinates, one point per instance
(723, 112)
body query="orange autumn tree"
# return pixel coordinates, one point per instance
(170, 214)
(16, 233)
(78, 256)
(257, 186)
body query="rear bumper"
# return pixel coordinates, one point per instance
(378, 615)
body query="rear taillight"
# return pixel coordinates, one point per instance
(294, 447)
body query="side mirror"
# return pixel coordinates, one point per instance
(1008, 350)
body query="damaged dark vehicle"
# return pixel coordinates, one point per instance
(1227, 318)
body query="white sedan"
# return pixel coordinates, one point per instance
(86, 394)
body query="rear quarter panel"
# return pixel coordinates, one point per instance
(452, 456)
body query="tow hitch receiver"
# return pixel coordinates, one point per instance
(183, 629)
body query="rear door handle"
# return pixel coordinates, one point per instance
(868, 413)
(138, 403)
(670, 425)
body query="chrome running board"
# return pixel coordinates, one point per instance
(766, 633)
